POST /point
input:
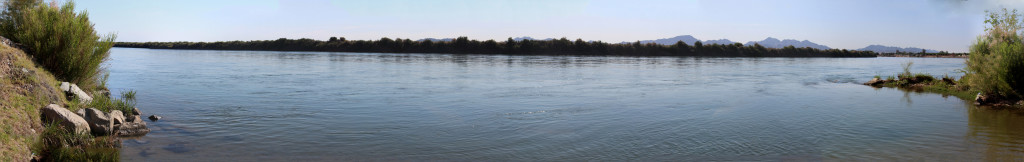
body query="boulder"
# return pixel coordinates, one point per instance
(133, 125)
(83, 97)
(135, 111)
(133, 128)
(132, 118)
(72, 91)
(980, 99)
(99, 122)
(65, 86)
(117, 117)
(80, 112)
(67, 119)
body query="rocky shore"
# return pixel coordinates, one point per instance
(945, 86)
(92, 120)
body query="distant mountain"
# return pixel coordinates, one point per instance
(688, 39)
(524, 38)
(890, 49)
(667, 41)
(767, 42)
(720, 41)
(437, 40)
(776, 43)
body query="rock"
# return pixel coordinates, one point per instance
(154, 117)
(70, 121)
(83, 97)
(65, 86)
(980, 99)
(80, 112)
(117, 117)
(874, 82)
(134, 125)
(135, 118)
(99, 121)
(72, 91)
(135, 111)
(133, 128)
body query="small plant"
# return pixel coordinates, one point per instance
(59, 144)
(103, 81)
(106, 104)
(906, 69)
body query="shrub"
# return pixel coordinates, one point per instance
(62, 41)
(58, 144)
(996, 62)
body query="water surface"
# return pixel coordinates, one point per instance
(322, 106)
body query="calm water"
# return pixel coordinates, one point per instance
(286, 106)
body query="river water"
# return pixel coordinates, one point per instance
(323, 106)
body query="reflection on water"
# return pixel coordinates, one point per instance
(997, 133)
(319, 106)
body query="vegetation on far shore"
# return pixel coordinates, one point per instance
(923, 53)
(51, 43)
(463, 45)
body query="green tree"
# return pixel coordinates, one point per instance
(12, 10)
(61, 40)
(996, 62)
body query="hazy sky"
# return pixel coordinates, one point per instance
(934, 24)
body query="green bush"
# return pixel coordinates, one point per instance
(62, 41)
(59, 144)
(996, 63)
(106, 104)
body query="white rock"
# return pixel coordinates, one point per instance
(65, 86)
(83, 97)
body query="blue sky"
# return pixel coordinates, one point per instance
(949, 25)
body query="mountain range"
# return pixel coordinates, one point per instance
(767, 42)
(437, 40)
(776, 43)
(890, 49)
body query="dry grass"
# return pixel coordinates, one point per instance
(22, 94)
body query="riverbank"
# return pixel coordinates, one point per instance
(945, 86)
(24, 89)
(29, 93)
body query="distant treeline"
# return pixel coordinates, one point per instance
(464, 45)
(923, 53)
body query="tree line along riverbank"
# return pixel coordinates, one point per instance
(464, 45)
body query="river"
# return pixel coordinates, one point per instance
(326, 106)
